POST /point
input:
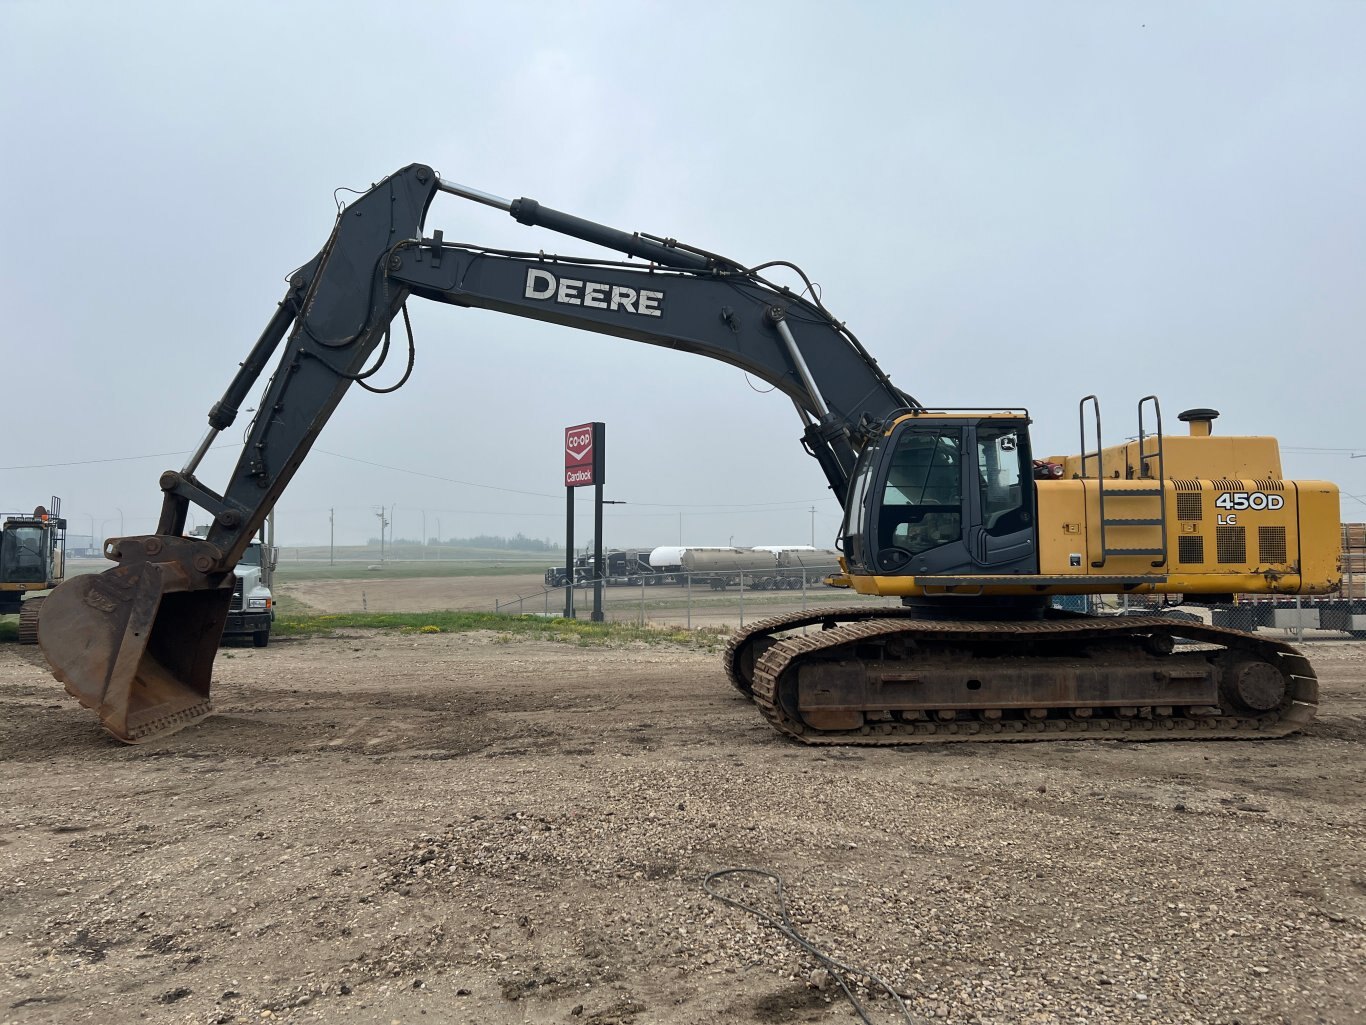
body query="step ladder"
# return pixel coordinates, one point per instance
(1144, 507)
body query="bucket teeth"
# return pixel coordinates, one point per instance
(136, 643)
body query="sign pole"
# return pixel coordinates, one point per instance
(599, 434)
(569, 553)
(583, 465)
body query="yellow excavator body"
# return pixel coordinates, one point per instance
(1220, 521)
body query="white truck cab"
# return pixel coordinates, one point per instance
(253, 606)
(252, 610)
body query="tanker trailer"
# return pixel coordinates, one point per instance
(722, 567)
(804, 566)
(666, 564)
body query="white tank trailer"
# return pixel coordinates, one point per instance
(767, 568)
(665, 565)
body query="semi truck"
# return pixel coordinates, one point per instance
(251, 611)
(623, 566)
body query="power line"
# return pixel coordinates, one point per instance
(89, 462)
(1293, 448)
(435, 476)
(541, 494)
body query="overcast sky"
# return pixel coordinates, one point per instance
(1010, 204)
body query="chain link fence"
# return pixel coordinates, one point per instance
(1298, 619)
(687, 600)
(701, 600)
(1303, 619)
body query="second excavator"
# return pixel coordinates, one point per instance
(948, 510)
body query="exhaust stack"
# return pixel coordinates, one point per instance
(1201, 421)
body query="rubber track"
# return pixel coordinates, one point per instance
(1295, 712)
(732, 658)
(28, 620)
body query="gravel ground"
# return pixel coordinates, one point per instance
(450, 828)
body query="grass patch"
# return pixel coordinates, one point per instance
(288, 605)
(508, 628)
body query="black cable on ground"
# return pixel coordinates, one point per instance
(837, 969)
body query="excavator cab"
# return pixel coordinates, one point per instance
(944, 494)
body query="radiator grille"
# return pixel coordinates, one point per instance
(1185, 485)
(236, 604)
(1190, 550)
(1269, 485)
(1189, 506)
(1271, 544)
(1231, 545)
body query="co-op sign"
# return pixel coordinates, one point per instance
(583, 454)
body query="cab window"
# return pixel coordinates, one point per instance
(23, 556)
(1001, 476)
(922, 499)
(853, 510)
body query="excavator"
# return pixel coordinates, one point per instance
(32, 560)
(947, 510)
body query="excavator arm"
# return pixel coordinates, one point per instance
(137, 642)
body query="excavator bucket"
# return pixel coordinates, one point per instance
(137, 642)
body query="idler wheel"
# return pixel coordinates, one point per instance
(1253, 686)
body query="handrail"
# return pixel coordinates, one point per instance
(1100, 468)
(1143, 436)
(1161, 465)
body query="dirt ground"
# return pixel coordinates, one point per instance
(467, 828)
(418, 594)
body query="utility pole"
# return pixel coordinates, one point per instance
(813, 526)
(332, 536)
(382, 524)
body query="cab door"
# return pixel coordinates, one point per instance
(1001, 536)
(952, 497)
